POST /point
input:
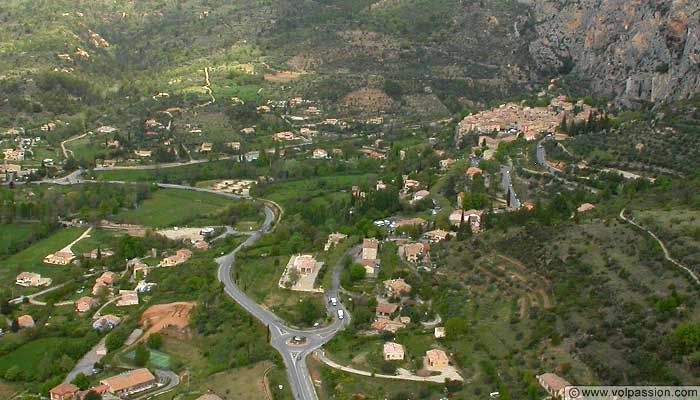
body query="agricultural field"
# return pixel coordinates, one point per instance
(193, 209)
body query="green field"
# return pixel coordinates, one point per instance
(13, 236)
(171, 207)
(28, 356)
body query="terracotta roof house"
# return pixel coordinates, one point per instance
(553, 384)
(409, 222)
(64, 391)
(474, 171)
(304, 264)
(130, 382)
(106, 280)
(128, 298)
(85, 304)
(179, 257)
(386, 309)
(393, 351)
(388, 325)
(585, 207)
(436, 358)
(371, 267)
(420, 195)
(414, 252)
(437, 235)
(30, 279)
(473, 217)
(59, 258)
(396, 287)
(25, 321)
(370, 248)
(101, 390)
(319, 154)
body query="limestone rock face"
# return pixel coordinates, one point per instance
(635, 51)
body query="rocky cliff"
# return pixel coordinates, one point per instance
(636, 51)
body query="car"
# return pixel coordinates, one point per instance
(341, 314)
(333, 301)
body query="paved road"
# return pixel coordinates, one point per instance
(281, 335)
(33, 296)
(508, 189)
(86, 363)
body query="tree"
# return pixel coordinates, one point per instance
(357, 272)
(141, 355)
(92, 395)
(81, 381)
(155, 341)
(455, 327)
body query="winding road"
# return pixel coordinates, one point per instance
(281, 335)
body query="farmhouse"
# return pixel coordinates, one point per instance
(396, 287)
(85, 304)
(387, 325)
(386, 309)
(206, 147)
(128, 298)
(178, 258)
(320, 154)
(30, 279)
(436, 358)
(472, 217)
(393, 351)
(286, 135)
(94, 254)
(370, 249)
(474, 171)
(304, 264)
(553, 384)
(414, 252)
(25, 321)
(437, 235)
(420, 195)
(106, 280)
(59, 258)
(64, 391)
(130, 382)
(404, 223)
(585, 207)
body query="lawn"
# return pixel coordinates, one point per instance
(172, 207)
(13, 236)
(31, 258)
(28, 356)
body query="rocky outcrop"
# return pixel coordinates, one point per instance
(635, 51)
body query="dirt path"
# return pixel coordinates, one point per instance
(63, 144)
(207, 88)
(667, 254)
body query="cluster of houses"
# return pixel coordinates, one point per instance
(384, 312)
(434, 358)
(469, 218)
(237, 186)
(123, 385)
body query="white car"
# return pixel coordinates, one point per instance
(341, 314)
